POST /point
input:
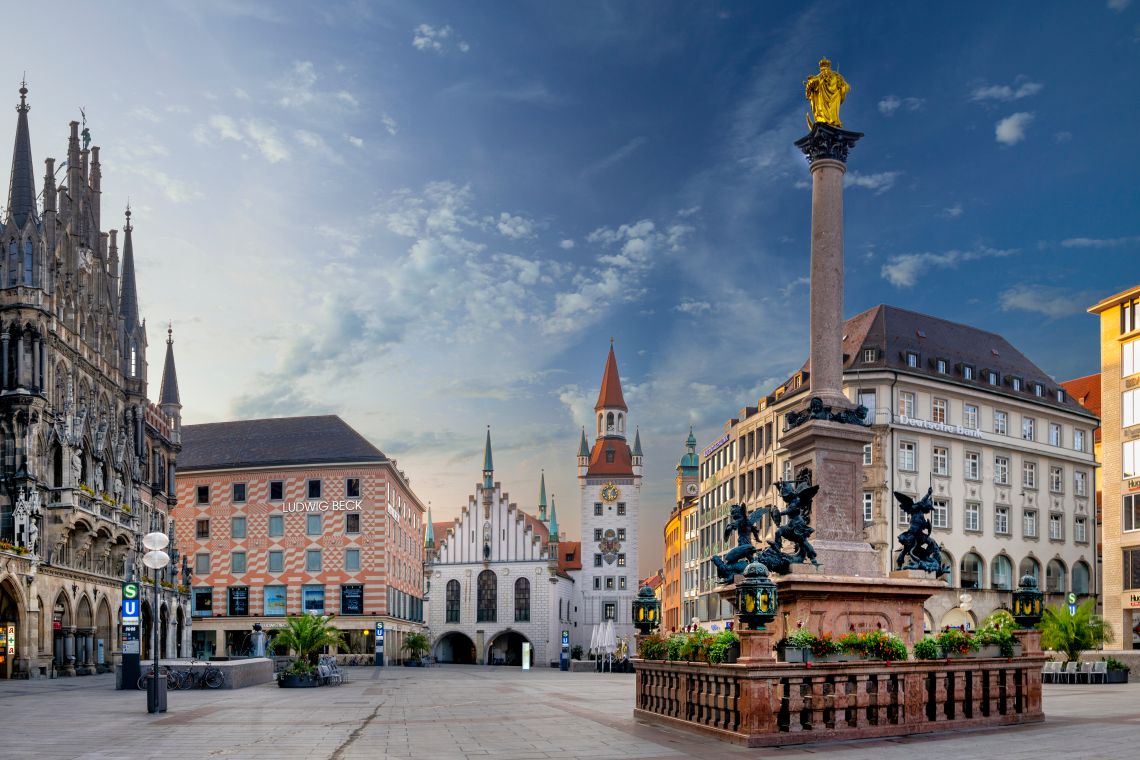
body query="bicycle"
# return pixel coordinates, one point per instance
(172, 677)
(210, 677)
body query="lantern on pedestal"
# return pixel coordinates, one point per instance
(1027, 602)
(756, 602)
(646, 610)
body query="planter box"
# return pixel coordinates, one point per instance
(1116, 676)
(795, 654)
(298, 681)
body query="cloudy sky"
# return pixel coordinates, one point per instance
(431, 217)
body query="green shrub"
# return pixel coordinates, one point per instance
(695, 645)
(876, 644)
(576, 652)
(673, 647)
(820, 646)
(1000, 637)
(999, 620)
(1115, 664)
(653, 647)
(719, 646)
(1073, 634)
(927, 649)
(955, 641)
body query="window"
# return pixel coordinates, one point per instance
(1028, 425)
(1132, 512)
(1054, 434)
(1056, 527)
(1029, 523)
(609, 456)
(203, 494)
(906, 455)
(276, 561)
(971, 571)
(1131, 459)
(274, 601)
(621, 560)
(621, 534)
(351, 560)
(1130, 358)
(1030, 566)
(522, 600)
(312, 560)
(1079, 440)
(969, 416)
(1015, 383)
(239, 493)
(312, 525)
(938, 410)
(488, 599)
(906, 404)
(452, 601)
(202, 528)
(352, 522)
(967, 372)
(597, 534)
(276, 490)
(973, 466)
(973, 516)
(238, 600)
(608, 611)
(1129, 315)
(313, 489)
(869, 355)
(1131, 569)
(1001, 470)
(203, 602)
(868, 506)
(1039, 390)
(940, 464)
(352, 488)
(237, 527)
(313, 599)
(597, 509)
(1080, 483)
(201, 564)
(940, 517)
(866, 453)
(1001, 573)
(1001, 521)
(1060, 394)
(992, 377)
(911, 359)
(621, 583)
(1056, 480)
(597, 560)
(1001, 422)
(621, 509)
(1130, 407)
(597, 583)
(1029, 474)
(867, 399)
(941, 366)
(237, 562)
(29, 262)
(609, 583)
(276, 526)
(1080, 579)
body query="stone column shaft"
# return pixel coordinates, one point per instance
(826, 379)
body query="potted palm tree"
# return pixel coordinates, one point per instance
(1076, 633)
(416, 644)
(306, 636)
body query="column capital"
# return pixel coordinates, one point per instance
(827, 142)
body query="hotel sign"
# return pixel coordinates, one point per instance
(1134, 600)
(351, 505)
(939, 427)
(714, 446)
(1133, 485)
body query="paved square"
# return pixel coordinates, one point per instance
(470, 712)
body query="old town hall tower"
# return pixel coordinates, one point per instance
(609, 480)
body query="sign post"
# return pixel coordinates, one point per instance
(131, 668)
(564, 654)
(1072, 600)
(379, 644)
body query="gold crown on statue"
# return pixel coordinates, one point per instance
(824, 63)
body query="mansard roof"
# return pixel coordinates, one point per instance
(276, 442)
(623, 458)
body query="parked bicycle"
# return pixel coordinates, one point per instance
(210, 676)
(166, 670)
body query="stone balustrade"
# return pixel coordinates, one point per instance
(782, 703)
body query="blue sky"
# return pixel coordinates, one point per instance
(429, 218)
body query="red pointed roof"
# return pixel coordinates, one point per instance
(610, 396)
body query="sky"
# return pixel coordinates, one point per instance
(429, 218)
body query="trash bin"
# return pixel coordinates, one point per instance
(155, 693)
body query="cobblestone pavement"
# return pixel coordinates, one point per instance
(475, 713)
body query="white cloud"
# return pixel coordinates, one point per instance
(144, 113)
(175, 190)
(904, 271)
(891, 103)
(1021, 88)
(356, 142)
(879, 183)
(693, 308)
(1011, 129)
(389, 123)
(297, 87)
(566, 245)
(1118, 5)
(1062, 136)
(1084, 242)
(1052, 302)
(514, 227)
(226, 127)
(437, 39)
(317, 145)
(952, 212)
(265, 139)
(260, 134)
(346, 97)
(615, 157)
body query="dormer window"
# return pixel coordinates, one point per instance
(967, 372)
(609, 456)
(912, 359)
(1038, 389)
(869, 355)
(1061, 395)
(1015, 383)
(991, 377)
(941, 366)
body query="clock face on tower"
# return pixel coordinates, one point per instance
(691, 489)
(610, 492)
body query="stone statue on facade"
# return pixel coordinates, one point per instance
(826, 91)
(187, 575)
(737, 558)
(817, 410)
(919, 549)
(76, 465)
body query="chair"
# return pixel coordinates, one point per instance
(1099, 670)
(1050, 671)
(1069, 674)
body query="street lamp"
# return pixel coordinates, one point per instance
(156, 559)
(646, 608)
(756, 601)
(1027, 602)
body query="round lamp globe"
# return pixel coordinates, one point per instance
(156, 541)
(157, 559)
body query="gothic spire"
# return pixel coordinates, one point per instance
(429, 536)
(637, 443)
(542, 497)
(488, 467)
(610, 396)
(169, 393)
(553, 521)
(22, 185)
(128, 297)
(584, 447)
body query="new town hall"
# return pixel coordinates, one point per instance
(498, 577)
(86, 460)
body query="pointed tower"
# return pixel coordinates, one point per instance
(429, 533)
(542, 497)
(22, 184)
(133, 331)
(168, 399)
(553, 528)
(688, 470)
(488, 466)
(583, 456)
(611, 408)
(637, 452)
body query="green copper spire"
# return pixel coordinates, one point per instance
(637, 442)
(429, 536)
(584, 448)
(691, 441)
(488, 467)
(542, 497)
(689, 464)
(553, 521)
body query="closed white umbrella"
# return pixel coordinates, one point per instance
(595, 636)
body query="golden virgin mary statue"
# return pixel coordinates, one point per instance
(825, 91)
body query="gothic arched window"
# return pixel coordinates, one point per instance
(28, 262)
(522, 600)
(453, 601)
(488, 597)
(13, 262)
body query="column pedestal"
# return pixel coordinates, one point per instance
(756, 646)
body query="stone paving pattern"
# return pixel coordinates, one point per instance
(472, 713)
